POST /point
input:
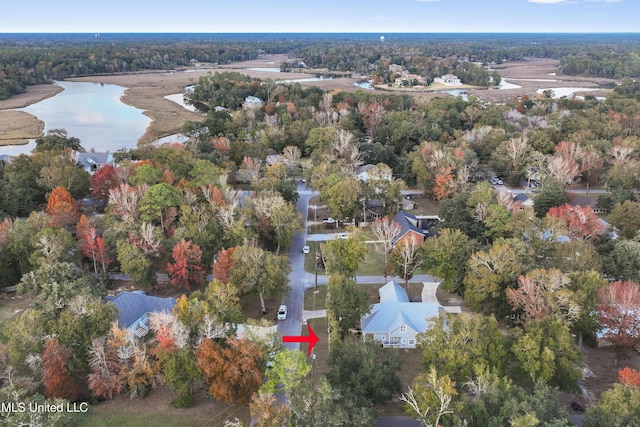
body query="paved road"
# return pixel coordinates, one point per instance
(299, 280)
(295, 299)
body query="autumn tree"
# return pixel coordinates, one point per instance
(223, 264)
(62, 208)
(387, 232)
(58, 382)
(618, 309)
(619, 406)
(230, 370)
(95, 248)
(580, 222)
(186, 270)
(544, 293)
(106, 379)
(102, 181)
(268, 410)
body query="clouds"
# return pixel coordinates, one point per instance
(547, 1)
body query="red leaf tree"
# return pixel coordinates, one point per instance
(223, 264)
(618, 309)
(62, 208)
(629, 377)
(95, 248)
(580, 222)
(56, 378)
(187, 266)
(102, 181)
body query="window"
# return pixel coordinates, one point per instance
(412, 342)
(403, 328)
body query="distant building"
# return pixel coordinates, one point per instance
(368, 172)
(93, 162)
(448, 80)
(523, 200)
(252, 102)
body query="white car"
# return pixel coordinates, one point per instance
(329, 221)
(282, 312)
(305, 249)
(342, 236)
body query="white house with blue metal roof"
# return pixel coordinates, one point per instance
(396, 321)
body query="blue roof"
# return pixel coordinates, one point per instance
(133, 305)
(392, 292)
(395, 310)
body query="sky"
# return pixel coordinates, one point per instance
(277, 16)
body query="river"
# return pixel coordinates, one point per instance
(91, 112)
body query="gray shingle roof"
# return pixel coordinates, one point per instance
(407, 223)
(133, 305)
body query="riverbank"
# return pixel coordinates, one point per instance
(147, 90)
(17, 127)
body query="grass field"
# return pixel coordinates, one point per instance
(371, 266)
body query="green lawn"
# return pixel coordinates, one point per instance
(315, 301)
(371, 266)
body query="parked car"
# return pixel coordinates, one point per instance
(282, 312)
(342, 236)
(305, 249)
(329, 221)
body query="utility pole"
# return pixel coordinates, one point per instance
(317, 259)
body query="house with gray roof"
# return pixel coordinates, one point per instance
(93, 162)
(408, 228)
(396, 321)
(134, 308)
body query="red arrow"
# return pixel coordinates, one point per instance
(312, 339)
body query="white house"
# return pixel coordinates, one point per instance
(448, 80)
(252, 102)
(395, 321)
(379, 172)
(93, 162)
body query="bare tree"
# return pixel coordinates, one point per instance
(387, 232)
(291, 156)
(407, 259)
